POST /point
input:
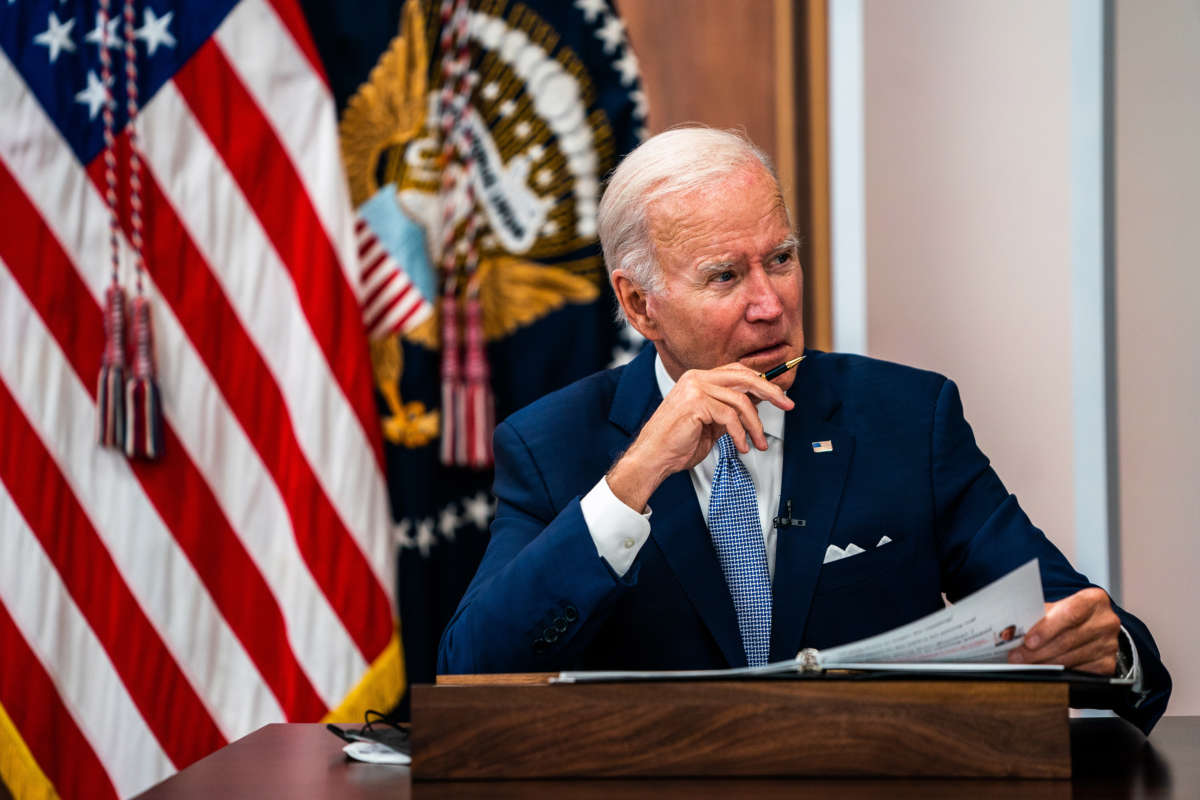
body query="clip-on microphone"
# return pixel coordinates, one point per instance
(788, 521)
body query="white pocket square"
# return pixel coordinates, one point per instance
(835, 553)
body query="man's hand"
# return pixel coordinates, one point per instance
(703, 406)
(1080, 632)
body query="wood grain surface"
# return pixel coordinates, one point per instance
(1111, 760)
(761, 728)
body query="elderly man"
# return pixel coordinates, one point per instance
(678, 512)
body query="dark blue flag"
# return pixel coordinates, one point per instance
(476, 137)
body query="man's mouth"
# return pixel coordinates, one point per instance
(774, 350)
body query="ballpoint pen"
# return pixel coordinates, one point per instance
(775, 372)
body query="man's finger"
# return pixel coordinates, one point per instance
(744, 379)
(745, 410)
(725, 416)
(1070, 612)
(1084, 650)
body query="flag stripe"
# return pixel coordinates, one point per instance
(200, 302)
(381, 271)
(272, 188)
(57, 185)
(390, 302)
(402, 319)
(370, 300)
(62, 412)
(52, 627)
(174, 486)
(369, 270)
(292, 18)
(183, 727)
(47, 727)
(255, 38)
(224, 230)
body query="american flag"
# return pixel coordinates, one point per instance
(150, 612)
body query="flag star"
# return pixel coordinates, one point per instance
(105, 35)
(550, 228)
(640, 106)
(612, 33)
(507, 108)
(57, 37)
(93, 96)
(490, 91)
(448, 522)
(400, 534)
(627, 65)
(536, 152)
(154, 30)
(591, 8)
(522, 129)
(478, 509)
(425, 538)
(545, 177)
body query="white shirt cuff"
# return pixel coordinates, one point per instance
(1135, 669)
(617, 530)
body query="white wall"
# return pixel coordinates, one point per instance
(1158, 327)
(968, 224)
(968, 197)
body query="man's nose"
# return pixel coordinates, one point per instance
(763, 303)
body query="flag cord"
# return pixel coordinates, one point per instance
(467, 401)
(129, 406)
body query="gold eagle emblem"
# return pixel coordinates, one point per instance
(386, 140)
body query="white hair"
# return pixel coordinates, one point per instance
(677, 161)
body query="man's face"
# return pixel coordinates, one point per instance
(732, 283)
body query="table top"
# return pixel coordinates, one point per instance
(1110, 758)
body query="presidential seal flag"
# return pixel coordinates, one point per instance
(476, 139)
(194, 528)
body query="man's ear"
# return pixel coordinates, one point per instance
(632, 298)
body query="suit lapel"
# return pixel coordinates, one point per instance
(813, 482)
(677, 525)
(678, 528)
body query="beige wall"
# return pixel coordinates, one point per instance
(968, 203)
(1158, 332)
(967, 123)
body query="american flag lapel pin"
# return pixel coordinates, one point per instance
(823, 447)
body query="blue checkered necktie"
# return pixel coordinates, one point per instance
(737, 534)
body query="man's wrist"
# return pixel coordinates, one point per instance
(633, 481)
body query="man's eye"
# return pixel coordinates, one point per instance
(784, 257)
(723, 277)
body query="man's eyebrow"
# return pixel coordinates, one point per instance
(790, 243)
(713, 267)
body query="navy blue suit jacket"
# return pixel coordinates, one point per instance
(904, 464)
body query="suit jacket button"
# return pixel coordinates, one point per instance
(550, 635)
(571, 613)
(560, 624)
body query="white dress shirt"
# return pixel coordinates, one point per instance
(619, 531)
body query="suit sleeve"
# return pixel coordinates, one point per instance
(541, 588)
(982, 534)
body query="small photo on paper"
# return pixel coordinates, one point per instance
(1007, 635)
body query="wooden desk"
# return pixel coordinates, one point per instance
(1111, 760)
